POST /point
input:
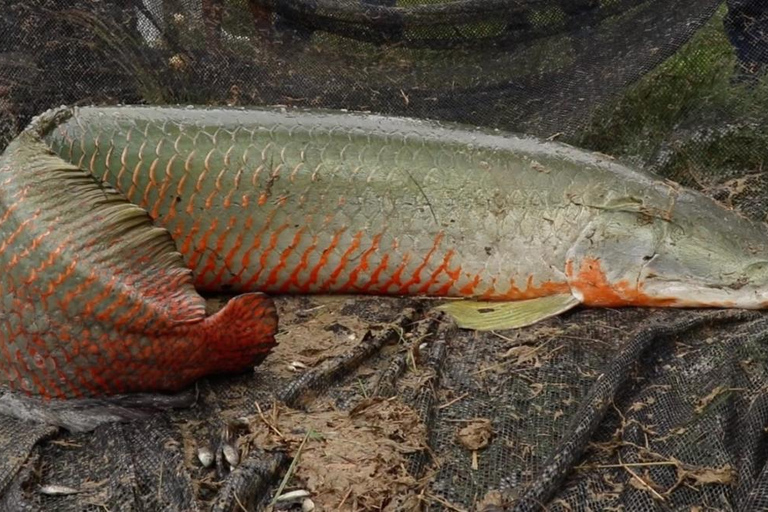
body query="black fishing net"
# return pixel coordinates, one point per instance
(375, 403)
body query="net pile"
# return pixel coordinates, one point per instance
(374, 403)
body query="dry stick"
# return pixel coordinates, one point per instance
(448, 404)
(600, 396)
(628, 465)
(645, 484)
(267, 423)
(160, 484)
(344, 499)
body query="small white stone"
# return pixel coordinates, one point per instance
(231, 455)
(205, 456)
(307, 505)
(293, 496)
(297, 365)
(57, 490)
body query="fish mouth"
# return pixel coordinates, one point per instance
(694, 295)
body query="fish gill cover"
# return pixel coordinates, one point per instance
(378, 404)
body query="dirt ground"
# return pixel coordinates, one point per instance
(355, 458)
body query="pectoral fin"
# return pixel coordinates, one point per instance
(491, 316)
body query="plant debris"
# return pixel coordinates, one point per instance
(351, 460)
(477, 435)
(714, 394)
(493, 500)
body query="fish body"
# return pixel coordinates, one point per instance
(281, 201)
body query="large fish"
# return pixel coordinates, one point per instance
(99, 299)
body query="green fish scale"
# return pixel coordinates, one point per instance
(311, 203)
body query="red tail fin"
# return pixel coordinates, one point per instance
(241, 334)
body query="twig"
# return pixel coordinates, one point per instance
(267, 423)
(344, 499)
(582, 338)
(498, 366)
(291, 468)
(315, 308)
(362, 387)
(412, 360)
(405, 97)
(448, 404)
(643, 482)
(515, 343)
(65, 443)
(628, 465)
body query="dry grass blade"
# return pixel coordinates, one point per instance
(643, 484)
(448, 404)
(291, 468)
(719, 390)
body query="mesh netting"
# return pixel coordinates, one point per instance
(374, 403)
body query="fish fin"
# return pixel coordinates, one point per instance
(104, 235)
(126, 293)
(241, 334)
(491, 316)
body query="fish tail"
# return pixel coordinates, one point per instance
(241, 334)
(232, 340)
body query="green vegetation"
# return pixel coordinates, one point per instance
(690, 107)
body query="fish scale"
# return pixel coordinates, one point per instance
(113, 219)
(393, 180)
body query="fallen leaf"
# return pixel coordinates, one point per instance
(476, 435)
(493, 500)
(523, 354)
(722, 475)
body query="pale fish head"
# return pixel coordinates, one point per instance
(707, 256)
